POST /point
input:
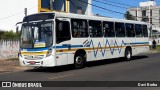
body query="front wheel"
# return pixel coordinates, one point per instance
(128, 54)
(79, 61)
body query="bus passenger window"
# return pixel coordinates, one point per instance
(130, 30)
(95, 28)
(79, 28)
(120, 30)
(62, 31)
(145, 31)
(138, 30)
(108, 28)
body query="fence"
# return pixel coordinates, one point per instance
(9, 49)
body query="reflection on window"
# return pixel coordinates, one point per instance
(79, 28)
(95, 29)
(26, 38)
(62, 31)
(138, 29)
(36, 33)
(46, 33)
(130, 30)
(108, 28)
(120, 30)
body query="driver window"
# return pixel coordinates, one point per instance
(62, 31)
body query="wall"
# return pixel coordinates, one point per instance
(59, 5)
(9, 49)
(86, 9)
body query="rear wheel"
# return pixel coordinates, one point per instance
(128, 54)
(79, 61)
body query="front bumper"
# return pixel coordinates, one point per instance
(45, 62)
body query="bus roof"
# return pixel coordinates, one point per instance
(100, 18)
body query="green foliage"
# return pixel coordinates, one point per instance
(129, 16)
(145, 19)
(158, 48)
(10, 35)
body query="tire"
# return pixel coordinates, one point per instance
(79, 61)
(128, 55)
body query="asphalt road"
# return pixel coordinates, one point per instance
(141, 68)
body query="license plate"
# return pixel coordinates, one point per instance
(32, 62)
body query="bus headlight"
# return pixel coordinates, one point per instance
(49, 53)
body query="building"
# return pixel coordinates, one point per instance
(149, 12)
(69, 6)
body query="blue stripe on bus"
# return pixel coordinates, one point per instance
(72, 46)
(138, 43)
(34, 49)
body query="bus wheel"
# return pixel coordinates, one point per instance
(128, 54)
(79, 61)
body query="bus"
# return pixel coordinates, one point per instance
(55, 38)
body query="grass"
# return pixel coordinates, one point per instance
(158, 48)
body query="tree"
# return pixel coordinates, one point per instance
(129, 16)
(10, 35)
(145, 19)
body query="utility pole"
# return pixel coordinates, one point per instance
(25, 11)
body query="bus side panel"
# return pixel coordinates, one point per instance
(109, 48)
(96, 49)
(62, 53)
(119, 47)
(77, 44)
(62, 59)
(71, 57)
(128, 41)
(142, 45)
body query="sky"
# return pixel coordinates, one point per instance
(12, 11)
(122, 9)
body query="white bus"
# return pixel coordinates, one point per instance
(56, 38)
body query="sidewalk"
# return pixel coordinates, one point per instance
(152, 51)
(11, 66)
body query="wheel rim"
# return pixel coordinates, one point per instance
(128, 55)
(79, 60)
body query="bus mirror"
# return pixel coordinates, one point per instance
(17, 29)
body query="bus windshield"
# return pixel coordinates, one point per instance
(36, 35)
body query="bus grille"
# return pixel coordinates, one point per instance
(36, 57)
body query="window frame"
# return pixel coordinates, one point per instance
(122, 29)
(86, 28)
(134, 34)
(92, 30)
(141, 30)
(144, 34)
(113, 28)
(69, 38)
